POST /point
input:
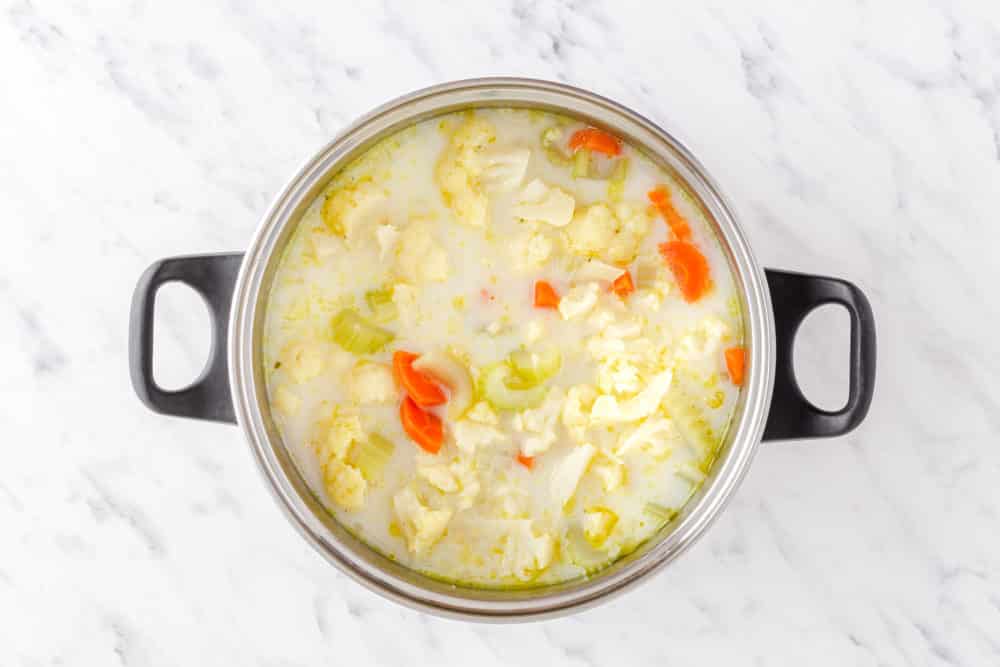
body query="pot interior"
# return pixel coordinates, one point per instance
(308, 513)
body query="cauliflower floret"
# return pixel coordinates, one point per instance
(502, 171)
(420, 258)
(439, 476)
(372, 383)
(537, 249)
(576, 409)
(703, 342)
(482, 412)
(630, 327)
(540, 422)
(541, 203)
(345, 484)
(607, 409)
(653, 436)
(578, 301)
(344, 430)
(603, 347)
(304, 361)
(647, 300)
(567, 475)
(598, 522)
(470, 435)
(610, 470)
(348, 208)
(286, 402)
(591, 230)
(386, 235)
(524, 553)
(421, 525)
(468, 483)
(618, 376)
(460, 168)
(633, 225)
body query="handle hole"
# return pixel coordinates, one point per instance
(182, 328)
(822, 356)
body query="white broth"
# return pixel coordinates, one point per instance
(548, 313)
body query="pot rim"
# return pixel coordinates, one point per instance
(411, 588)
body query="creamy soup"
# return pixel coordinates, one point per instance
(503, 347)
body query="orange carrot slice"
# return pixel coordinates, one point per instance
(736, 361)
(623, 285)
(527, 461)
(423, 427)
(545, 295)
(660, 197)
(689, 266)
(595, 140)
(421, 388)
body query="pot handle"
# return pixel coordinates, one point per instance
(795, 295)
(213, 277)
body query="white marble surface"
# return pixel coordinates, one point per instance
(855, 139)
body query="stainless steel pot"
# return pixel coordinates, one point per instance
(231, 388)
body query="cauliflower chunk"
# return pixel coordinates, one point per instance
(607, 409)
(460, 168)
(344, 430)
(420, 258)
(482, 413)
(304, 362)
(598, 522)
(503, 171)
(591, 230)
(541, 203)
(536, 250)
(618, 376)
(470, 435)
(533, 331)
(567, 476)
(633, 225)
(576, 409)
(595, 269)
(372, 383)
(578, 301)
(524, 553)
(653, 435)
(349, 208)
(610, 471)
(421, 525)
(703, 342)
(439, 476)
(345, 484)
(386, 236)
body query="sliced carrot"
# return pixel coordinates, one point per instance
(527, 461)
(595, 140)
(689, 266)
(623, 286)
(736, 361)
(421, 388)
(660, 197)
(423, 427)
(487, 295)
(546, 295)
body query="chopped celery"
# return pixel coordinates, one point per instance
(533, 368)
(582, 554)
(616, 186)
(581, 163)
(370, 456)
(660, 515)
(356, 334)
(690, 421)
(495, 387)
(381, 305)
(551, 138)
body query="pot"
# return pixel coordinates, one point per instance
(232, 386)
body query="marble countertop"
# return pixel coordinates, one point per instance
(851, 142)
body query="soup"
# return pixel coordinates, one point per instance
(503, 347)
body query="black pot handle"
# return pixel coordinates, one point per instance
(793, 296)
(213, 277)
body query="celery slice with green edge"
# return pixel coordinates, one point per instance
(356, 334)
(381, 305)
(580, 552)
(616, 186)
(550, 144)
(371, 455)
(495, 387)
(660, 515)
(535, 367)
(581, 163)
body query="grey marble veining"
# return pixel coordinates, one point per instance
(854, 139)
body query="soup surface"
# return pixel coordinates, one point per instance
(503, 347)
